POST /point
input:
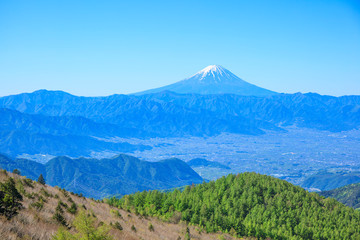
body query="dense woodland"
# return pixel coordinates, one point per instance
(250, 204)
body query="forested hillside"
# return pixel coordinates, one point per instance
(250, 204)
(348, 195)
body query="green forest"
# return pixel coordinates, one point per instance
(249, 204)
(349, 195)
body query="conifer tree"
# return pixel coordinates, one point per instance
(59, 215)
(41, 180)
(86, 229)
(10, 199)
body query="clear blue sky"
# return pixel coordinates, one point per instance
(95, 48)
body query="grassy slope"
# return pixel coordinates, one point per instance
(31, 223)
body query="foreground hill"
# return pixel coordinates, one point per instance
(348, 195)
(44, 210)
(96, 178)
(250, 204)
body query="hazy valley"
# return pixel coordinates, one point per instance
(293, 155)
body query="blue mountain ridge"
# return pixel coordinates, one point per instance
(58, 123)
(99, 178)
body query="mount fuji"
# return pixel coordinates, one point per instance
(213, 79)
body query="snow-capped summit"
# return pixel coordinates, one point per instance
(213, 79)
(215, 71)
(212, 69)
(215, 74)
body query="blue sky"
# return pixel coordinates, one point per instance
(95, 48)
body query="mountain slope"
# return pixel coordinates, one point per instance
(43, 207)
(120, 175)
(348, 195)
(325, 180)
(200, 162)
(18, 142)
(308, 110)
(58, 125)
(251, 204)
(213, 79)
(22, 133)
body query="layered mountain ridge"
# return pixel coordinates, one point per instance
(58, 123)
(98, 178)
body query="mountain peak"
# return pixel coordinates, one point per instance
(212, 68)
(213, 79)
(217, 72)
(214, 74)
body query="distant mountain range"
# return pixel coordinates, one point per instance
(22, 133)
(213, 79)
(58, 123)
(100, 178)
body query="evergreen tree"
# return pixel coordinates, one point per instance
(10, 199)
(118, 226)
(86, 230)
(151, 227)
(62, 234)
(16, 171)
(73, 208)
(41, 180)
(59, 215)
(187, 234)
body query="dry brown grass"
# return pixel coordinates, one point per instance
(32, 223)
